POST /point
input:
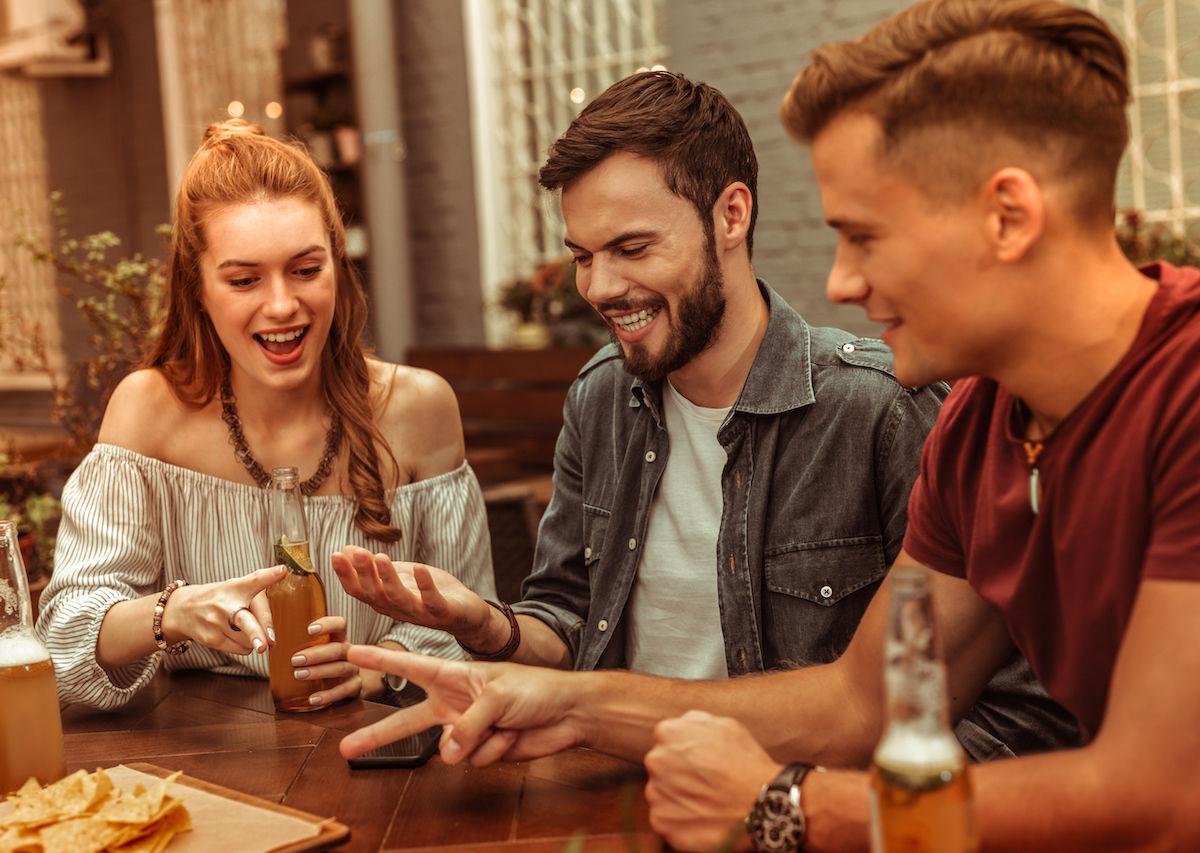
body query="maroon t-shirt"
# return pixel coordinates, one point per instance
(1120, 500)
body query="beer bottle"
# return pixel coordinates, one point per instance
(296, 600)
(31, 741)
(920, 789)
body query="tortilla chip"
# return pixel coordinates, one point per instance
(87, 813)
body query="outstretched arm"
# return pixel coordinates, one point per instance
(1135, 787)
(829, 714)
(426, 595)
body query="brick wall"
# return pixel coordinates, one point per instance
(752, 58)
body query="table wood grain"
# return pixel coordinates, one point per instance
(224, 730)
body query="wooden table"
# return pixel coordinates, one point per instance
(224, 730)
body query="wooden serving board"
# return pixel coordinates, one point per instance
(329, 832)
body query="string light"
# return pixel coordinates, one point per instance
(236, 108)
(274, 109)
(577, 95)
(658, 68)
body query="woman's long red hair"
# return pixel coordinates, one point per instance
(236, 164)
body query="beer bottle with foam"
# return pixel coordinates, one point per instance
(920, 787)
(296, 600)
(31, 741)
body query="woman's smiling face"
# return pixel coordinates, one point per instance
(268, 283)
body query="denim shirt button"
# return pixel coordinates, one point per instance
(827, 591)
(650, 456)
(603, 626)
(587, 553)
(632, 544)
(847, 348)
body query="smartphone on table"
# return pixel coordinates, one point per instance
(412, 751)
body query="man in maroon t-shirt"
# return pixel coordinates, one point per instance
(966, 152)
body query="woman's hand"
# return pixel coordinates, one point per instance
(414, 593)
(328, 661)
(230, 616)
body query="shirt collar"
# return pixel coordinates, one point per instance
(780, 378)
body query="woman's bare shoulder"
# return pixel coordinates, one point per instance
(142, 410)
(418, 415)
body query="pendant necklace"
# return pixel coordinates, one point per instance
(1033, 449)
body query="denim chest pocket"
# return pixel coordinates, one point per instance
(815, 594)
(595, 526)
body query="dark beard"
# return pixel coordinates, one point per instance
(701, 311)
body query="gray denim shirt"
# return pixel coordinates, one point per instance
(823, 446)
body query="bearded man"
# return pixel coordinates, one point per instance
(730, 483)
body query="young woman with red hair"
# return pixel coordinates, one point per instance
(259, 364)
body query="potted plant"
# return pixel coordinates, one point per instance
(36, 515)
(548, 302)
(123, 304)
(1144, 242)
(121, 297)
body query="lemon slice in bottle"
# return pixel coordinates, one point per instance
(294, 555)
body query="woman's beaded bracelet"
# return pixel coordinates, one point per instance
(159, 640)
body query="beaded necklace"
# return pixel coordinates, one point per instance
(241, 450)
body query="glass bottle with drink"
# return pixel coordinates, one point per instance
(920, 788)
(31, 741)
(296, 600)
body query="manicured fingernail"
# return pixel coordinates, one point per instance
(451, 750)
(298, 660)
(257, 643)
(314, 628)
(271, 634)
(300, 674)
(315, 699)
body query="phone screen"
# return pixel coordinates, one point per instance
(412, 751)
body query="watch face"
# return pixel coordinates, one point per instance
(776, 823)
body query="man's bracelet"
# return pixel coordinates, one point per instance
(514, 637)
(159, 640)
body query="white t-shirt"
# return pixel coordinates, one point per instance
(674, 614)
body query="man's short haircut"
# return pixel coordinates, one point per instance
(695, 135)
(955, 83)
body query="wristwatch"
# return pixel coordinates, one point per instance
(776, 823)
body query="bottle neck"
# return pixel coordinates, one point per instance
(287, 510)
(916, 695)
(16, 614)
(914, 676)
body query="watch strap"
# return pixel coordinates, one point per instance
(773, 826)
(791, 776)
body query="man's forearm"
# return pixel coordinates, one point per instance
(1077, 801)
(540, 646)
(802, 715)
(1060, 801)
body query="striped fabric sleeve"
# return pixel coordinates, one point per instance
(108, 550)
(452, 534)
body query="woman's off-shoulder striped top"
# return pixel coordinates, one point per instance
(131, 524)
